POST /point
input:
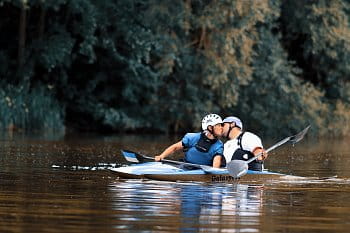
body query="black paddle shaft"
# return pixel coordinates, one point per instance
(293, 139)
(141, 158)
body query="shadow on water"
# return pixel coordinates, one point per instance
(79, 195)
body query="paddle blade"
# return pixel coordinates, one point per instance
(296, 138)
(237, 168)
(130, 156)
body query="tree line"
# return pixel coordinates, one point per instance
(160, 66)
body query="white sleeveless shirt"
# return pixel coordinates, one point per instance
(249, 142)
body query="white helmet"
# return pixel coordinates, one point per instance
(211, 119)
(234, 119)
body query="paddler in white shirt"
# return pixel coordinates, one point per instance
(242, 145)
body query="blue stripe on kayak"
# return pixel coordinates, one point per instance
(263, 172)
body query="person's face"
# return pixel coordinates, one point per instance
(218, 130)
(226, 128)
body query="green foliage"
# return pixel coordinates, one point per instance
(323, 29)
(131, 65)
(56, 51)
(30, 110)
(323, 32)
(201, 55)
(276, 90)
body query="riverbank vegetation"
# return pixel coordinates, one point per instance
(160, 66)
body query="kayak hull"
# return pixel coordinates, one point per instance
(166, 172)
(213, 178)
(127, 175)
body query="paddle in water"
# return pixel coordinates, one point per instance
(238, 168)
(135, 157)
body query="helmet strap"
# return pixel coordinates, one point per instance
(211, 131)
(229, 131)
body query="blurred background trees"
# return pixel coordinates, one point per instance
(160, 66)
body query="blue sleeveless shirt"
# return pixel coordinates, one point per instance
(193, 155)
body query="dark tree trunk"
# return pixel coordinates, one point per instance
(42, 21)
(22, 33)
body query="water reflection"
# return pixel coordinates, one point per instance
(35, 197)
(186, 207)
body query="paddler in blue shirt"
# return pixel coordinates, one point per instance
(202, 148)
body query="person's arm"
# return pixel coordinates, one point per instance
(171, 149)
(258, 150)
(253, 144)
(217, 161)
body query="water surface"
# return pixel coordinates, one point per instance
(80, 195)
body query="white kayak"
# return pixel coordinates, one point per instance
(167, 172)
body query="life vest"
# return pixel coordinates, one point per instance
(201, 150)
(204, 143)
(241, 154)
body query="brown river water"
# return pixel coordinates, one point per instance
(56, 183)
